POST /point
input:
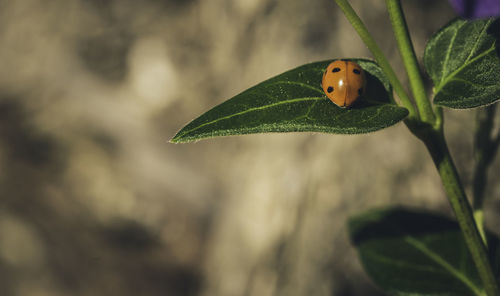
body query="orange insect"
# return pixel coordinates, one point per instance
(343, 82)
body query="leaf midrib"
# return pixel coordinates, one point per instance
(448, 51)
(483, 30)
(468, 60)
(304, 99)
(443, 263)
(459, 69)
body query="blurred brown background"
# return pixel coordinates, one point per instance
(95, 201)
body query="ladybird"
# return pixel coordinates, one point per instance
(343, 82)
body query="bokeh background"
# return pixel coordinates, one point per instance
(95, 201)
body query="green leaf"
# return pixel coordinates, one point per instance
(295, 102)
(494, 247)
(463, 60)
(414, 253)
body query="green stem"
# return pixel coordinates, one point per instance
(407, 51)
(436, 144)
(430, 130)
(358, 25)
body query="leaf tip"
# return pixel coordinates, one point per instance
(177, 139)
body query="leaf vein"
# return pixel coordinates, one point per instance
(478, 38)
(443, 263)
(448, 51)
(251, 110)
(297, 83)
(472, 83)
(459, 69)
(398, 263)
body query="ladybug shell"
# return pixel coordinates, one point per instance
(343, 82)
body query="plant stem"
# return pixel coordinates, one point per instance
(407, 51)
(436, 144)
(428, 127)
(358, 25)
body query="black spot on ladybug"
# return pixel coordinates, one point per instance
(356, 71)
(329, 89)
(360, 91)
(336, 69)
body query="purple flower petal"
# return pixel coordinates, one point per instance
(477, 8)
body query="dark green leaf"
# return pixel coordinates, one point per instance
(494, 247)
(418, 253)
(294, 102)
(463, 60)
